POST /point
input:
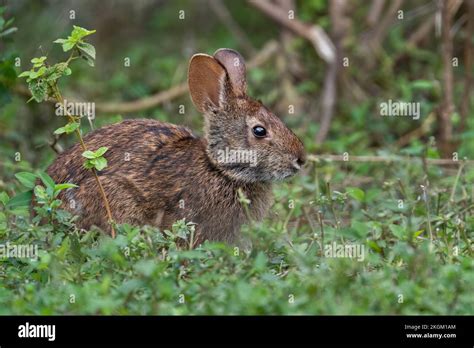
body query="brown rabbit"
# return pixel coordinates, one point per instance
(158, 172)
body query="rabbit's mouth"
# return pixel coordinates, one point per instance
(283, 174)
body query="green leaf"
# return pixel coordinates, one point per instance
(423, 84)
(38, 62)
(87, 48)
(38, 73)
(398, 231)
(76, 37)
(71, 127)
(78, 33)
(38, 90)
(361, 228)
(68, 45)
(100, 151)
(4, 198)
(89, 154)
(40, 192)
(68, 129)
(26, 179)
(88, 164)
(25, 74)
(65, 186)
(95, 154)
(47, 180)
(260, 262)
(20, 200)
(417, 233)
(356, 193)
(374, 246)
(88, 60)
(9, 31)
(145, 267)
(60, 130)
(99, 163)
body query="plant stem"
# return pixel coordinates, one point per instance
(94, 172)
(458, 175)
(320, 218)
(427, 205)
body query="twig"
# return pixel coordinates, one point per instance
(328, 100)
(313, 33)
(288, 66)
(144, 103)
(329, 95)
(72, 118)
(445, 127)
(387, 159)
(418, 132)
(425, 29)
(468, 63)
(375, 11)
(375, 38)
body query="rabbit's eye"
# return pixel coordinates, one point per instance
(259, 131)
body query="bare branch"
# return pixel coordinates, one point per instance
(468, 63)
(388, 159)
(260, 58)
(54, 144)
(425, 29)
(445, 127)
(375, 11)
(313, 33)
(339, 27)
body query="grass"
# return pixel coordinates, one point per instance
(284, 267)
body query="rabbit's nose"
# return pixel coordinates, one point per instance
(299, 162)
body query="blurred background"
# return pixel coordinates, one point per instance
(326, 68)
(322, 66)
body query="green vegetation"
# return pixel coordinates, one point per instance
(143, 271)
(413, 219)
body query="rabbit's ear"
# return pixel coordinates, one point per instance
(234, 64)
(206, 80)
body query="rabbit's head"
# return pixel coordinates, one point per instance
(244, 139)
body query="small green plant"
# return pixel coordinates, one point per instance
(42, 82)
(95, 159)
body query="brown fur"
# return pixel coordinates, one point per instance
(171, 174)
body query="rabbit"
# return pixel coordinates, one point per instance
(158, 172)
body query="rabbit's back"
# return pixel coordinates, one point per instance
(135, 147)
(130, 144)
